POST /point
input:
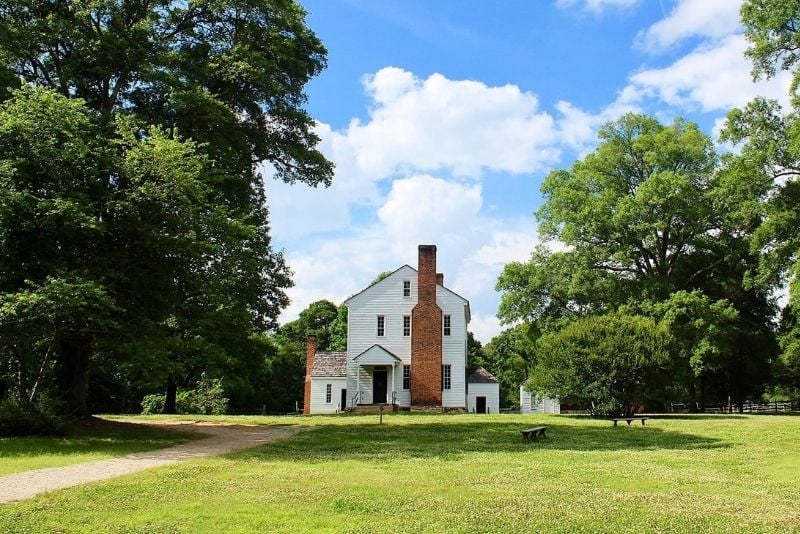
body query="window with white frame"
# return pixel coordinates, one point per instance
(406, 288)
(381, 325)
(446, 381)
(328, 393)
(446, 325)
(406, 325)
(406, 377)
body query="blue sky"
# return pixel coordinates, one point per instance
(443, 117)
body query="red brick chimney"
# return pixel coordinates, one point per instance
(426, 336)
(311, 351)
(440, 279)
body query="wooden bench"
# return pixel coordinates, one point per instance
(530, 434)
(628, 420)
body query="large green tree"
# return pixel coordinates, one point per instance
(646, 215)
(230, 76)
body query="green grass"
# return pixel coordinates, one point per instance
(83, 443)
(460, 473)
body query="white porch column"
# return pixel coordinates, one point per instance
(358, 385)
(394, 366)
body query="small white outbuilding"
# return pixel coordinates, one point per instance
(483, 392)
(533, 403)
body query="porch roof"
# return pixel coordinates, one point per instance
(376, 355)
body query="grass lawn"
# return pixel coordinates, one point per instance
(83, 443)
(462, 473)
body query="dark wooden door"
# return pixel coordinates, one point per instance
(343, 401)
(379, 383)
(480, 404)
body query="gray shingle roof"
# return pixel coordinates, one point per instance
(481, 376)
(330, 364)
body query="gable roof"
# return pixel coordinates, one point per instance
(377, 355)
(351, 297)
(331, 364)
(481, 376)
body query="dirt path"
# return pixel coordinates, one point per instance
(221, 439)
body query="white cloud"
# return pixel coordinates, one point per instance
(596, 6)
(438, 124)
(710, 78)
(484, 328)
(692, 18)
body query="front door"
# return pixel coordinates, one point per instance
(480, 404)
(379, 385)
(343, 400)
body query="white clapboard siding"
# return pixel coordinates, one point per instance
(454, 347)
(530, 403)
(318, 389)
(490, 391)
(386, 298)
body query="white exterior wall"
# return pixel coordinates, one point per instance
(318, 404)
(454, 348)
(490, 391)
(386, 298)
(532, 404)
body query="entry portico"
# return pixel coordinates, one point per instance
(375, 362)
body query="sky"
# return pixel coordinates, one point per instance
(444, 116)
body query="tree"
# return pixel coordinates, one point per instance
(229, 76)
(643, 217)
(609, 362)
(509, 356)
(316, 320)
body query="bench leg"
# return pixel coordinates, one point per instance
(629, 422)
(615, 423)
(642, 422)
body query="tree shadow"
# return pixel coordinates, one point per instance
(95, 436)
(446, 440)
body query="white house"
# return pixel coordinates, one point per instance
(483, 392)
(532, 403)
(406, 347)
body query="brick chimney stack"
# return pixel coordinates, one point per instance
(440, 279)
(311, 351)
(426, 336)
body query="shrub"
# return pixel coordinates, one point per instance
(609, 362)
(208, 398)
(17, 419)
(152, 404)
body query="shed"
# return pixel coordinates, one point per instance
(483, 392)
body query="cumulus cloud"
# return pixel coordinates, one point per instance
(692, 18)
(691, 82)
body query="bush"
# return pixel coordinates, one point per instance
(152, 404)
(19, 420)
(610, 362)
(208, 398)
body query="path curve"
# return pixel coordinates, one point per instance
(221, 439)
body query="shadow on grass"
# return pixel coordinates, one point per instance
(95, 436)
(450, 440)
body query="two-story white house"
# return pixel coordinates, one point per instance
(406, 347)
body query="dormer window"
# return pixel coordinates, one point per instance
(406, 288)
(381, 325)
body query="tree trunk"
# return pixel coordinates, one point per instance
(170, 397)
(76, 352)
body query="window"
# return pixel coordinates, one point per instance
(381, 325)
(406, 377)
(328, 388)
(446, 376)
(447, 325)
(406, 288)
(406, 325)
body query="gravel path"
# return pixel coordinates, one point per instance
(221, 439)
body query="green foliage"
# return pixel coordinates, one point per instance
(316, 320)
(207, 398)
(509, 356)
(28, 419)
(610, 362)
(153, 404)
